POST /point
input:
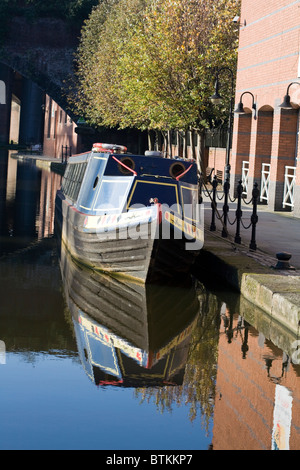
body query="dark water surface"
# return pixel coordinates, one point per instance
(87, 362)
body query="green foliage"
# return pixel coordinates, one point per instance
(151, 63)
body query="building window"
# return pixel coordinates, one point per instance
(2, 93)
(55, 124)
(49, 118)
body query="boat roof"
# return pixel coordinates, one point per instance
(151, 164)
(80, 158)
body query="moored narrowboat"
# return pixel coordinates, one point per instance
(130, 215)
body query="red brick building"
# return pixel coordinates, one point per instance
(265, 146)
(59, 131)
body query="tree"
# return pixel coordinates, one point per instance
(150, 64)
(102, 48)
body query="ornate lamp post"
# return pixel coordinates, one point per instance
(217, 99)
(286, 104)
(240, 107)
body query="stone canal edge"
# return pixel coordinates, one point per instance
(268, 295)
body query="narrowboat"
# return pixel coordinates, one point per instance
(130, 215)
(129, 334)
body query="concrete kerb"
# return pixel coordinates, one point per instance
(252, 273)
(43, 162)
(270, 329)
(277, 295)
(276, 292)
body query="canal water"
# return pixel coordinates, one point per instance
(87, 362)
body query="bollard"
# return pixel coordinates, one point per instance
(214, 205)
(239, 212)
(64, 153)
(225, 208)
(283, 261)
(254, 217)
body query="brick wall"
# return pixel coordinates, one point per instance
(59, 131)
(217, 158)
(268, 61)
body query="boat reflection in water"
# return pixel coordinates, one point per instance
(129, 335)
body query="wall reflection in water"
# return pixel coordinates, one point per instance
(257, 403)
(27, 202)
(32, 307)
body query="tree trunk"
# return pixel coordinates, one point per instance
(151, 140)
(185, 152)
(158, 141)
(201, 153)
(165, 144)
(194, 152)
(170, 144)
(179, 146)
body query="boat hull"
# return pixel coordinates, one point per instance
(136, 247)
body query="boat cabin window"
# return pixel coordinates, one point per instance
(189, 196)
(112, 194)
(145, 191)
(91, 184)
(103, 355)
(72, 179)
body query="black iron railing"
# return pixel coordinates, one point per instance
(65, 153)
(224, 217)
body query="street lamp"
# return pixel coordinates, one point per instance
(240, 107)
(286, 104)
(216, 99)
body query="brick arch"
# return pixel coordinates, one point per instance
(241, 144)
(43, 52)
(265, 108)
(261, 144)
(247, 110)
(284, 152)
(55, 90)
